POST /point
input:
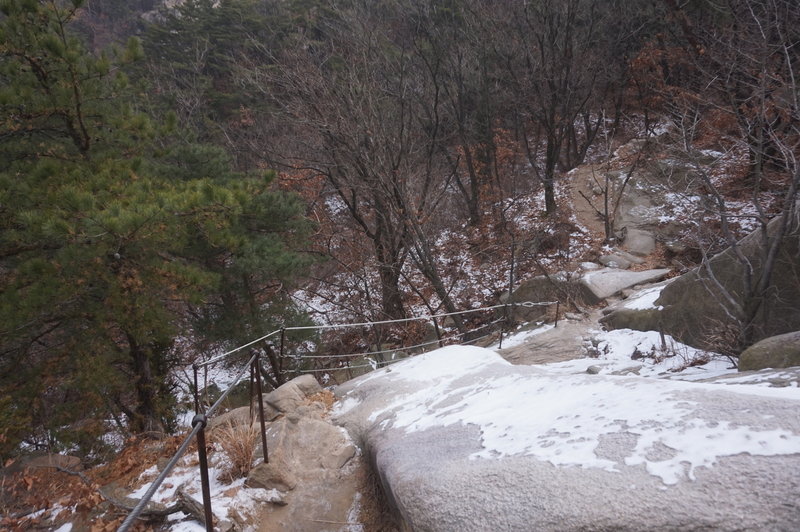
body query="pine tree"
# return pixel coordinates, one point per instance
(110, 236)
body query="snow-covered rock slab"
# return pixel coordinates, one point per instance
(610, 281)
(463, 440)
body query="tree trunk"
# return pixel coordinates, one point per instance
(146, 413)
(552, 153)
(391, 296)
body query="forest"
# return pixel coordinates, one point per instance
(178, 178)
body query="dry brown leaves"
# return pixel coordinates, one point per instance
(325, 397)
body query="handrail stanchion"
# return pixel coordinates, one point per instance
(196, 368)
(505, 310)
(275, 362)
(203, 457)
(200, 420)
(257, 371)
(251, 389)
(438, 332)
(279, 369)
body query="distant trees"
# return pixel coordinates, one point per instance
(354, 103)
(114, 239)
(191, 58)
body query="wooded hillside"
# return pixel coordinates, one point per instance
(171, 177)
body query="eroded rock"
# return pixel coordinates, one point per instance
(635, 470)
(782, 351)
(271, 476)
(639, 242)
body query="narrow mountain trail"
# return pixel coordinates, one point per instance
(567, 340)
(564, 342)
(581, 180)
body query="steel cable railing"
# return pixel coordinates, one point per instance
(200, 420)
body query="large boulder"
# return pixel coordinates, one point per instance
(782, 351)
(308, 384)
(242, 416)
(607, 282)
(463, 441)
(287, 398)
(619, 259)
(628, 318)
(695, 310)
(292, 395)
(639, 242)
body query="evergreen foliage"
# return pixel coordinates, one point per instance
(114, 238)
(192, 52)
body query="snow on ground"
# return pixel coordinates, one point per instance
(643, 353)
(524, 336)
(645, 299)
(226, 496)
(566, 418)
(571, 416)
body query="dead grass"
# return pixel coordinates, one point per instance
(239, 443)
(325, 397)
(376, 513)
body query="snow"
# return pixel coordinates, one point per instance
(645, 299)
(571, 414)
(661, 129)
(523, 337)
(224, 496)
(353, 515)
(344, 406)
(188, 526)
(67, 527)
(612, 352)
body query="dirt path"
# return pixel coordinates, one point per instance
(581, 180)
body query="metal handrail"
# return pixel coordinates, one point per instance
(200, 420)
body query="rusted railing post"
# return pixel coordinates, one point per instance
(281, 354)
(275, 361)
(508, 320)
(250, 392)
(195, 368)
(257, 370)
(558, 306)
(203, 457)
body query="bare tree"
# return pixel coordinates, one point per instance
(362, 118)
(749, 66)
(551, 63)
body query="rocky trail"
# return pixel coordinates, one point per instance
(564, 342)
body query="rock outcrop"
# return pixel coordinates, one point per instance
(782, 351)
(607, 282)
(309, 480)
(540, 289)
(695, 309)
(464, 441)
(288, 398)
(619, 259)
(590, 287)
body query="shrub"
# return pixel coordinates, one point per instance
(239, 443)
